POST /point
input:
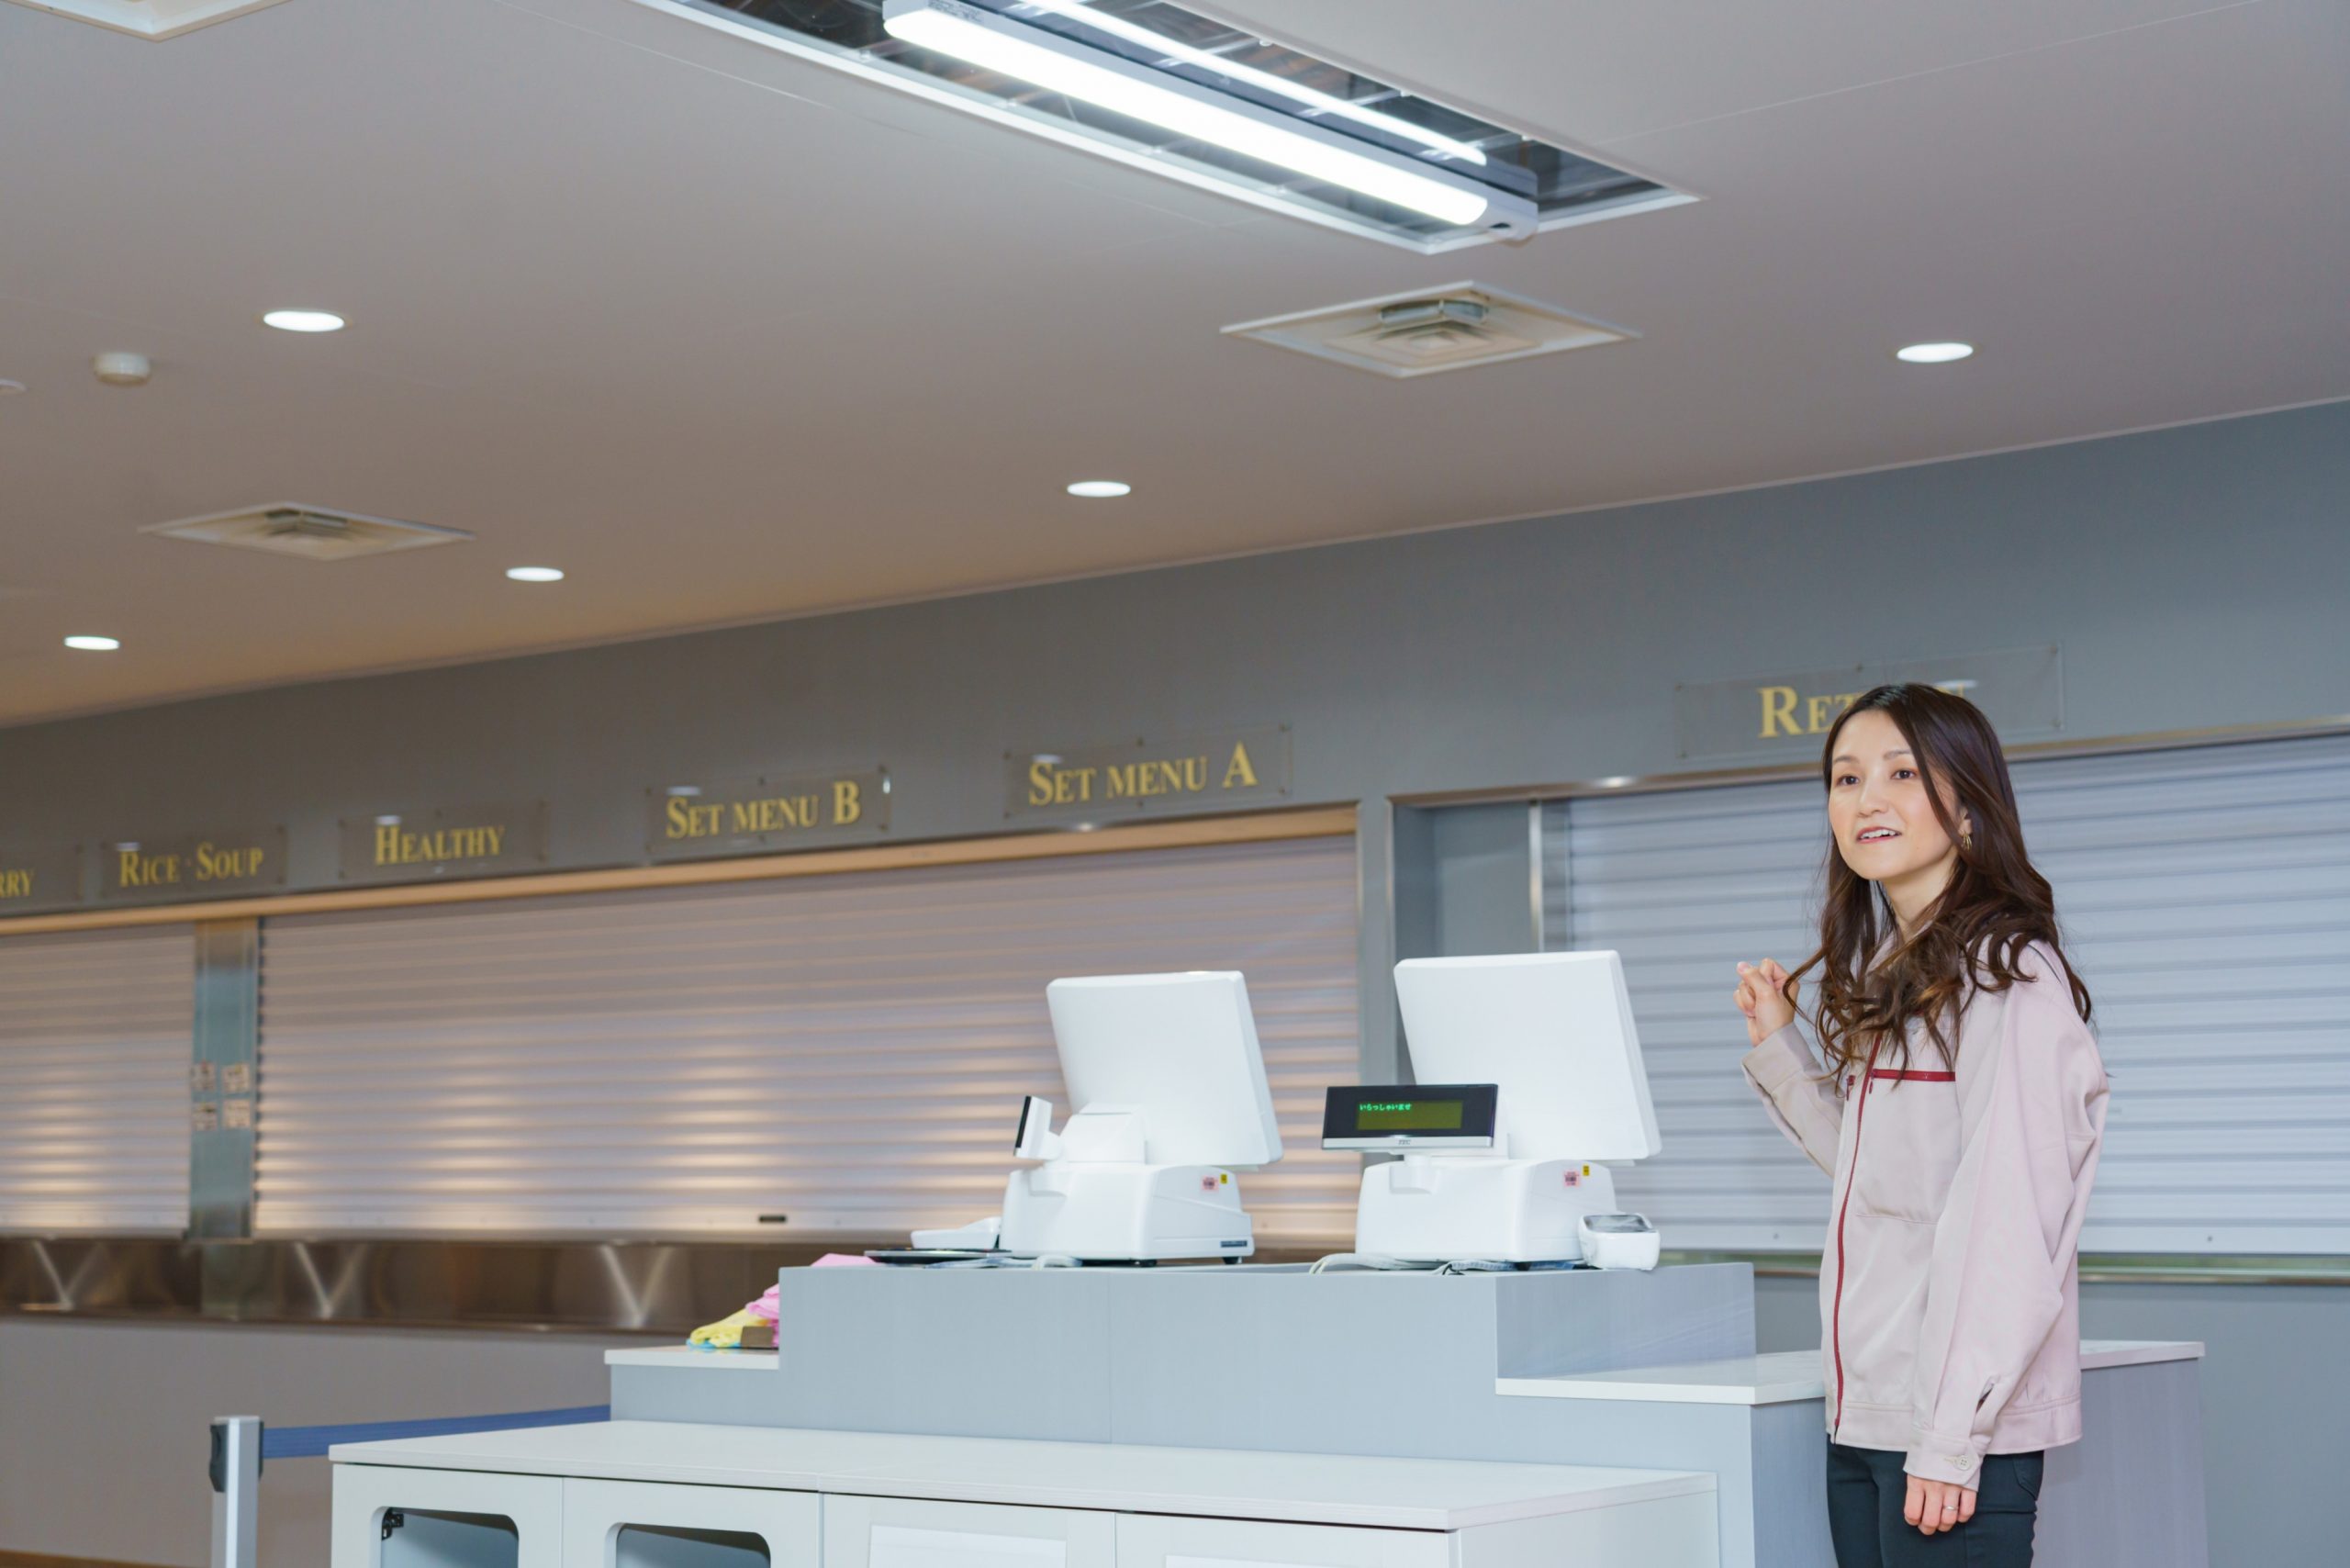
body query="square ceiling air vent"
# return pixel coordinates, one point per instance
(314, 533)
(1428, 331)
(149, 18)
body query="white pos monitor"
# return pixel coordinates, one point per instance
(1170, 1099)
(1554, 1031)
(1551, 1034)
(1181, 1051)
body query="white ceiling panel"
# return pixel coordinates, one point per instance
(728, 335)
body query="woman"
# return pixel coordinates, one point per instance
(1957, 1102)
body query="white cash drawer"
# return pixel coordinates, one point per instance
(903, 1532)
(1167, 1540)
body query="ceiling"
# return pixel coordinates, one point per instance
(730, 336)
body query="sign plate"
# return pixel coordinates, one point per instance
(444, 841)
(39, 878)
(765, 814)
(1224, 771)
(197, 866)
(2020, 691)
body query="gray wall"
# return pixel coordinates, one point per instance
(2193, 578)
(101, 1424)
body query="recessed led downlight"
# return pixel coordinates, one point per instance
(1934, 353)
(535, 574)
(93, 644)
(1100, 490)
(9, 388)
(303, 320)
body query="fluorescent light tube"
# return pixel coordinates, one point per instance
(1084, 15)
(988, 40)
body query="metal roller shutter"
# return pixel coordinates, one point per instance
(2205, 893)
(849, 1050)
(94, 1031)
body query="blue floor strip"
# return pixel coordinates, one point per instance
(312, 1442)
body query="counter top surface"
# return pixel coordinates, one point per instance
(1782, 1377)
(1399, 1493)
(692, 1358)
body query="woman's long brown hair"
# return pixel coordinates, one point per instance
(1974, 934)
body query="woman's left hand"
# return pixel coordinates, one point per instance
(1937, 1505)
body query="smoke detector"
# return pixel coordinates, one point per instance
(149, 19)
(1451, 328)
(315, 533)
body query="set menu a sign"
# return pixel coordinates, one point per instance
(1228, 769)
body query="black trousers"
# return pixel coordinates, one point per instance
(1866, 1489)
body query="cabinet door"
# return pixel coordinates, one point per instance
(389, 1518)
(1167, 1540)
(901, 1532)
(636, 1524)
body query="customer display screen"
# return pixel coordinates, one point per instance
(1417, 1115)
(1403, 1115)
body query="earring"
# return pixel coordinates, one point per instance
(1966, 840)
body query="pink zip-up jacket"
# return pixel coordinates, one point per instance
(1949, 1301)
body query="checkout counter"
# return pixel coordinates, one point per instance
(1232, 1416)
(1228, 1417)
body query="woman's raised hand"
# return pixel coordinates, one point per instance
(1762, 996)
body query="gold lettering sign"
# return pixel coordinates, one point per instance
(444, 841)
(773, 812)
(39, 878)
(2019, 689)
(1819, 712)
(201, 866)
(396, 846)
(1205, 773)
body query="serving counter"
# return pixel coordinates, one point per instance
(1227, 1417)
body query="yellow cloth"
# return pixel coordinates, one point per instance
(726, 1334)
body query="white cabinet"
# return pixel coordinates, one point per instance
(637, 1524)
(1655, 1532)
(390, 1517)
(1169, 1541)
(899, 1532)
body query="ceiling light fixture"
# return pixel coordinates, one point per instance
(93, 644)
(994, 42)
(1264, 81)
(1100, 490)
(535, 574)
(303, 320)
(1934, 353)
(116, 368)
(11, 388)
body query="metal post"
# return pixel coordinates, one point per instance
(236, 1491)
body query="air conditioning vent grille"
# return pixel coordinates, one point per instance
(315, 533)
(149, 18)
(1450, 328)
